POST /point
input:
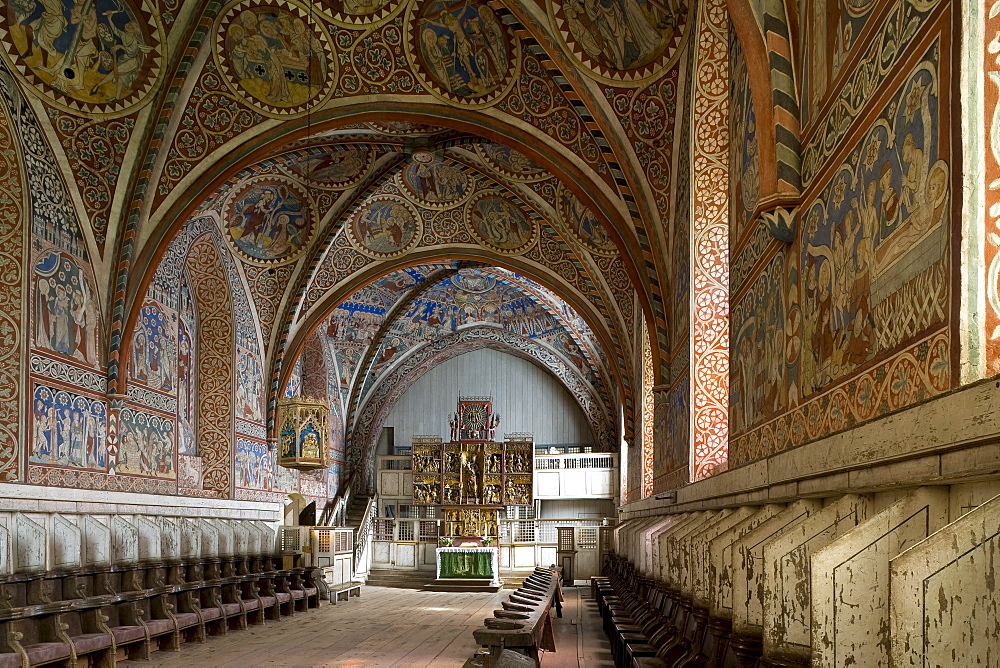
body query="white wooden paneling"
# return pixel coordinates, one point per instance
(527, 397)
(524, 556)
(547, 484)
(406, 555)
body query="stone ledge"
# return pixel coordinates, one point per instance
(949, 439)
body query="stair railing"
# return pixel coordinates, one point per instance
(335, 511)
(362, 541)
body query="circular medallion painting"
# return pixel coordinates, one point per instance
(433, 183)
(622, 41)
(358, 13)
(385, 226)
(99, 57)
(277, 57)
(334, 167)
(584, 225)
(511, 163)
(499, 223)
(268, 219)
(463, 53)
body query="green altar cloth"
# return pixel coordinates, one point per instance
(465, 565)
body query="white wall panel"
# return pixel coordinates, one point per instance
(527, 397)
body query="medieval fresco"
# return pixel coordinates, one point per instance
(147, 444)
(186, 388)
(68, 429)
(155, 351)
(66, 310)
(510, 163)
(385, 227)
(499, 223)
(269, 220)
(103, 55)
(253, 465)
(862, 297)
(433, 183)
(275, 56)
(250, 391)
(583, 224)
(337, 168)
(621, 40)
(744, 158)
(463, 50)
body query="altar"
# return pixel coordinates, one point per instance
(465, 567)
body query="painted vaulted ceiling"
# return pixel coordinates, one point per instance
(370, 158)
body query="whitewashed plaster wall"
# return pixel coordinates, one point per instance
(528, 399)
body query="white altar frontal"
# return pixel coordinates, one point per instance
(468, 564)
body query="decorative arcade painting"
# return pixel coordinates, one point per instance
(473, 469)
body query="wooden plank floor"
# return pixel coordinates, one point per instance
(391, 627)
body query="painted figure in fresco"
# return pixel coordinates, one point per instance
(66, 313)
(434, 57)
(68, 430)
(384, 225)
(330, 167)
(463, 48)
(269, 222)
(620, 33)
(501, 223)
(79, 47)
(146, 445)
(130, 53)
(43, 31)
(276, 57)
(250, 385)
(363, 7)
(890, 199)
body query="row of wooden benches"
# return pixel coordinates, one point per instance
(523, 624)
(105, 614)
(650, 626)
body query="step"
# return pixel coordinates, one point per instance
(463, 584)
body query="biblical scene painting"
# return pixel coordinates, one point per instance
(434, 183)
(154, 348)
(759, 385)
(584, 224)
(623, 34)
(249, 386)
(269, 220)
(500, 223)
(511, 163)
(94, 51)
(832, 28)
(274, 55)
(868, 279)
(357, 7)
(463, 47)
(330, 168)
(186, 406)
(253, 465)
(384, 227)
(146, 445)
(68, 429)
(874, 245)
(66, 310)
